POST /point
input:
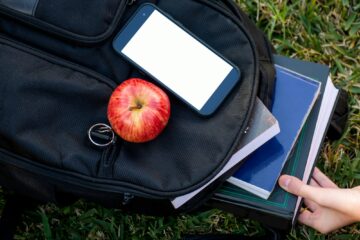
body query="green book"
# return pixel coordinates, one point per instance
(281, 208)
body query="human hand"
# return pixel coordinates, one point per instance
(328, 206)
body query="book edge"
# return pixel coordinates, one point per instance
(242, 153)
(320, 119)
(260, 192)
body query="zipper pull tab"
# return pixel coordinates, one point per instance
(126, 199)
(101, 135)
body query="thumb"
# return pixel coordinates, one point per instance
(296, 186)
(292, 185)
(344, 200)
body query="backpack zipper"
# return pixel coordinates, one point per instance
(131, 2)
(103, 137)
(127, 198)
(57, 60)
(64, 33)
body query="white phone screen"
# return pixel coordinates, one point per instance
(177, 59)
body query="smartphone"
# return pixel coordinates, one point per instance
(176, 59)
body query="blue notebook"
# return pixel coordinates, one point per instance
(295, 96)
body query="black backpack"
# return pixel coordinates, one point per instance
(57, 72)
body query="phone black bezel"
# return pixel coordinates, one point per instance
(137, 20)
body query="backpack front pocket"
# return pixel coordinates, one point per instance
(83, 21)
(47, 106)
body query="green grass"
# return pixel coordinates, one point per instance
(324, 31)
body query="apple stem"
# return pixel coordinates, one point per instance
(138, 106)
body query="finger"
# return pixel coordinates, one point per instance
(313, 220)
(311, 205)
(344, 200)
(325, 220)
(293, 185)
(306, 218)
(322, 179)
(314, 183)
(297, 187)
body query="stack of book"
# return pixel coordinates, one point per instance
(265, 201)
(285, 139)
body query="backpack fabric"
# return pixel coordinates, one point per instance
(57, 72)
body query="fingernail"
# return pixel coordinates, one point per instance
(284, 182)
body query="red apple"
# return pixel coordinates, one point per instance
(138, 110)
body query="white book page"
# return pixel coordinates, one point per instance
(326, 109)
